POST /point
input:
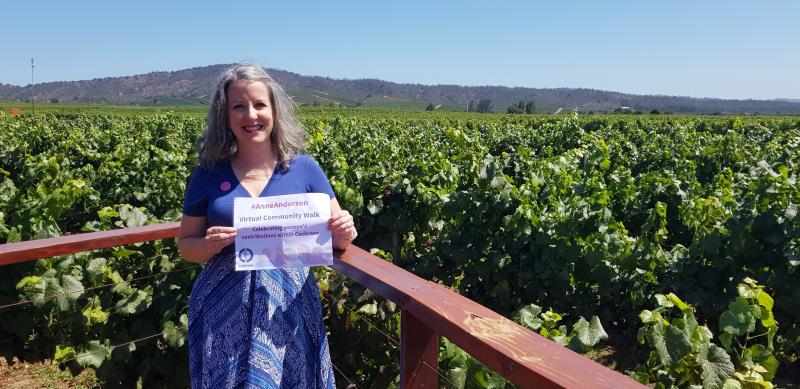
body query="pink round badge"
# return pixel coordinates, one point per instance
(225, 186)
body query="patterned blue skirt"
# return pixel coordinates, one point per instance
(257, 329)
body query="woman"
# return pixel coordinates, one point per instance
(259, 328)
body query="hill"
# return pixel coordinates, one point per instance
(193, 86)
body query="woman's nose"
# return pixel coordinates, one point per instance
(251, 113)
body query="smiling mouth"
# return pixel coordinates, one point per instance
(254, 128)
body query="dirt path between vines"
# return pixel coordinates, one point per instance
(25, 375)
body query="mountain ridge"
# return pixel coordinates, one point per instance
(193, 86)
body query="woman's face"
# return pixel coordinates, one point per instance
(249, 112)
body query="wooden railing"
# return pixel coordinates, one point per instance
(429, 310)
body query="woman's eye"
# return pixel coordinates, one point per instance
(237, 107)
(261, 105)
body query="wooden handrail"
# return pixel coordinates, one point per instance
(78, 243)
(429, 310)
(518, 354)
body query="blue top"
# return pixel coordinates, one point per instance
(210, 193)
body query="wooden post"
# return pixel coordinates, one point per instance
(419, 345)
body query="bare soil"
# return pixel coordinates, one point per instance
(44, 374)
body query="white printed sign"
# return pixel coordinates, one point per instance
(282, 231)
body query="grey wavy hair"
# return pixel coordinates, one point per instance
(218, 144)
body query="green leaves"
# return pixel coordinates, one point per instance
(63, 290)
(749, 318)
(137, 302)
(64, 174)
(587, 334)
(93, 313)
(94, 354)
(583, 336)
(739, 319)
(671, 344)
(175, 333)
(528, 316)
(586, 215)
(681, 347)
(63, 353)
(464, 372)
(716, 366)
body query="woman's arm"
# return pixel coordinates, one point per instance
(197, 243)
(343, 229)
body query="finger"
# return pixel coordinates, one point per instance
(340, 215)
(341, 221)
(227, 235)
(341, 230)
(348, 234)
(345, 231)
(220, 230)
(221, 235)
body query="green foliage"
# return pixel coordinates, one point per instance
(65, 174)
(748, 329)
(580, 338)
(355, 317)
(464, 372)
(592, 216)
(683, 353)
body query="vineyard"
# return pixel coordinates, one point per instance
(666, 247)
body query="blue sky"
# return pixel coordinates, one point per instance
(728, 49)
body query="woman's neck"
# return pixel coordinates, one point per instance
(255, 158)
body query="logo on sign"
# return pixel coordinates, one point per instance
(245, 255)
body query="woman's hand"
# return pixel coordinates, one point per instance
(199, 243)
(343, 229)
(218, 238)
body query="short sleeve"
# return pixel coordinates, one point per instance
(196, 201)
(316, 181)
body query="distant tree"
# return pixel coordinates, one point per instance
(655, 111)
(521, 106)
(530, 108)
(484, 106)
(471, 106)
(430, 107)
(54, 101)
(513, 109)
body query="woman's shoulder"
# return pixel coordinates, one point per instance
(302, 161)
(302, 158)
(218, 166)
(206, 172)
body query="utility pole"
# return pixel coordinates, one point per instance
(33, 107)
